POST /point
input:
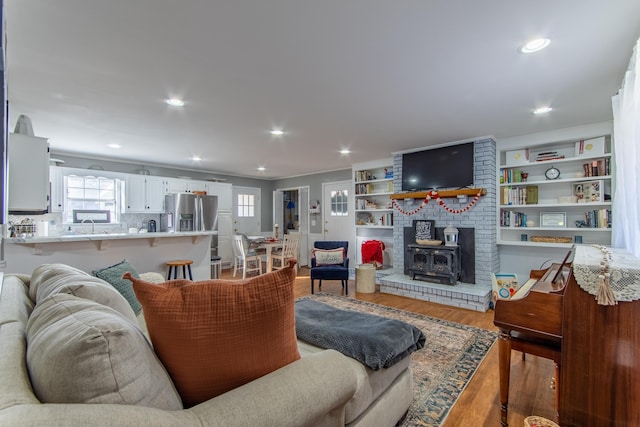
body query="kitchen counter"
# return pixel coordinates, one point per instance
(88, 252)
(106, 236)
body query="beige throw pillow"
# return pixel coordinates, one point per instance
(79, 351)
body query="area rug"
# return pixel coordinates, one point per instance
(442, 369)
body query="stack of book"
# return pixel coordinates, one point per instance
(519, 195)
(549, 155)
(599, 167)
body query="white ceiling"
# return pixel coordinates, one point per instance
(375, 76)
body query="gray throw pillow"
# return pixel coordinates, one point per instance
(113, 275)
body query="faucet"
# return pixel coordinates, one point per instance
(93, 224)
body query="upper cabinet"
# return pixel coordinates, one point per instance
(556, 194)
(144, 194)
(28, 175)
(183, 185)
(224, 193)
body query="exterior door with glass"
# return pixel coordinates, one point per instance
(337, 214)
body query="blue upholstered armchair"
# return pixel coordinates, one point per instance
(330, 270)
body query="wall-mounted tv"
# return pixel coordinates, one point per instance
(444, 167)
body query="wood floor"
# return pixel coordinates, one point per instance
(479, 405)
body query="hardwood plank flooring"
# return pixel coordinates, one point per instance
(479, 405)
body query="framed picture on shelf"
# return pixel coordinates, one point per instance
(553, 219)
(589, 191)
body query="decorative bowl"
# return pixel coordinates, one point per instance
(429, 242)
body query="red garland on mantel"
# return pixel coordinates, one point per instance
(434, 195)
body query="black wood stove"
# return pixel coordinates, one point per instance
(435, 262)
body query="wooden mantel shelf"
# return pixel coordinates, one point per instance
(442, 194)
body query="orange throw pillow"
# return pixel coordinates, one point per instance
(215, 335)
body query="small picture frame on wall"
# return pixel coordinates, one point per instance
(553, 219)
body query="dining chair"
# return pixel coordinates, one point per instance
(330, 268)
(244, 259)
(289, 250)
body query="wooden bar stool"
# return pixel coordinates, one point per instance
(184, 263)
(216, 267)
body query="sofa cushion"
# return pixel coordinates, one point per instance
(215, 335)
(50, 279)
(79, 351)
(370, 384)
(113, 275)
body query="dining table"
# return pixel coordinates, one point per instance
(260, 242)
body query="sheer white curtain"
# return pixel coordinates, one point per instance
(626, 131)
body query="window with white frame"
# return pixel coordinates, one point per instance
(91, 193)
(246, 205)
(339, 203)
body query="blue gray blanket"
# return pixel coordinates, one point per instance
(377, 342)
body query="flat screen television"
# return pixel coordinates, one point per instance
(444, 167)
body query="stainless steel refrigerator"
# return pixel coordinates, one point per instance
(189, 212)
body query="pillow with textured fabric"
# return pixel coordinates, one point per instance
(79, 351)
(329, 256)
(49, 279)
(215, 335)
(113, 275)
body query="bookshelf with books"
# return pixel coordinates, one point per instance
(551, 196)
(373, 185)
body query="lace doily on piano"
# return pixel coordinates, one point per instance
(623, 267)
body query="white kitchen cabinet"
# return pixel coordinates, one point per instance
(56, 197)
(224, 193)
(144, 194)
(176, 185)
(182, 185)
(193, 186)
(28, 175)
(225, 233)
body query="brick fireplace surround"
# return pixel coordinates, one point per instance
(481, 217)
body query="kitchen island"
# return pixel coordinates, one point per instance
(145, 251)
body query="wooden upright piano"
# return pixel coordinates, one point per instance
(596, 347)
(531, 322)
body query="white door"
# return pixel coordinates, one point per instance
(337, 214)
(246, 210)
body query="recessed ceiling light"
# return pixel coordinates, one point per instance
(262, 168)
(535, 45)
(196, 158)
(345, 151)
(174, 102)
(114, 146)
(542, 110)
(277, 132)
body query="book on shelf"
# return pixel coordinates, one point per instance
(548, 155)
(513, 219)
(598, 218)
(599, 167)
(527, 195)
